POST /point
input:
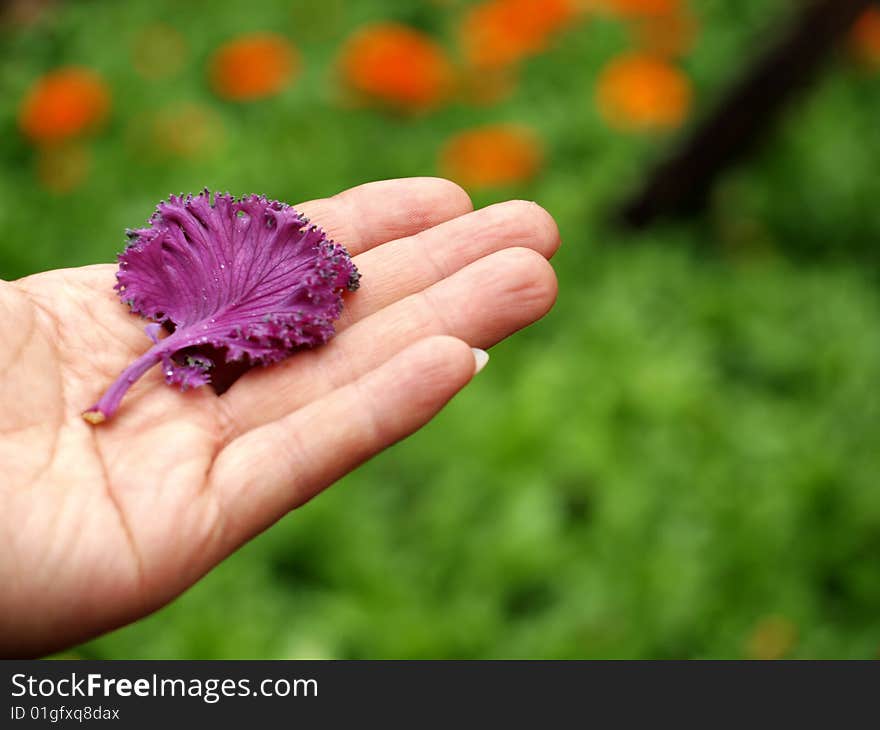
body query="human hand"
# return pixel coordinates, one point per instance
(101, 525)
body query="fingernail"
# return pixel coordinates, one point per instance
(481, 357)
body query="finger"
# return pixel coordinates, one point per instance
(408, 265)
(368, 215)
(481, 304)
(401, 268)
(265, 473)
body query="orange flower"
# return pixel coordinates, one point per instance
(865, 37)
(62, 104)
(492, 156)
(398, 66)
(502, 32)
(643, 92)
(253, 66)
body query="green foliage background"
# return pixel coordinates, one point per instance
(686, 446)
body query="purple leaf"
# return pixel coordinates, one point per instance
(248, 278)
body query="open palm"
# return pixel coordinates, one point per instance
(101, 525)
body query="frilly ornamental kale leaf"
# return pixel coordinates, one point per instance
(248, 278)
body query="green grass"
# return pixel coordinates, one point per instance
(686, 446)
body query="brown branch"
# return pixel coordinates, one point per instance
(745, 114)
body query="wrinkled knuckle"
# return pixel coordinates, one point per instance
(227, 427)
(426, 319)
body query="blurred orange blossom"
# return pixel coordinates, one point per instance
(642, 92)
(253, 66)
(502, 32)
(62, 104)
(491, 156)
(398, 66)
